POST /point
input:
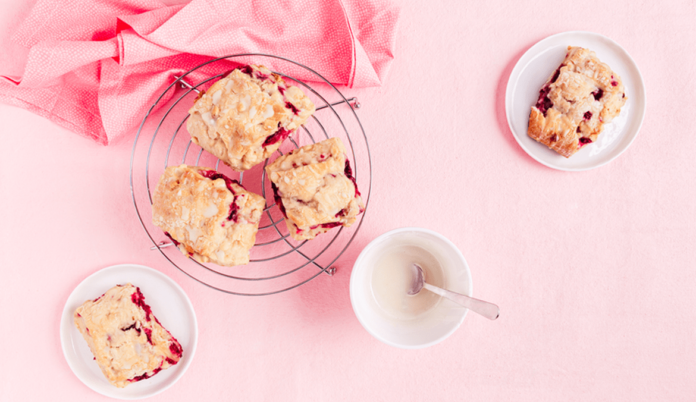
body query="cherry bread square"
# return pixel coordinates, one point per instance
(315, 189)
(128, 342)
(209, 216)
(580, 97)
(243, 118)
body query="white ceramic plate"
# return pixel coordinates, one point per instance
(169, 304)
(537, 65)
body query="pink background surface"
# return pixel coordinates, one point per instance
(593, 271)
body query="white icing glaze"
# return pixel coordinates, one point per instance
(268, 112)
(216, 97)
(211, 211)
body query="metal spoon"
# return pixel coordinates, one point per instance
(486, 309)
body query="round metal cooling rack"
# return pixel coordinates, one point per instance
(278, 263)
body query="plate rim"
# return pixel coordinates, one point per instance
(534, 51)
(66, 337)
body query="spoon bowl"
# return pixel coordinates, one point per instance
(418, 279)
(484, 308)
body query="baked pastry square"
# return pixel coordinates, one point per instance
(315, 190)
(243, 118)
(126, 339)
(578, 99)
(209, 216)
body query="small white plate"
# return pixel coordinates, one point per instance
(537, 65)
(169, 304)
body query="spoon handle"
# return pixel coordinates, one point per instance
(486, 309)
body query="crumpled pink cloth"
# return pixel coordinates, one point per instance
(96, 66)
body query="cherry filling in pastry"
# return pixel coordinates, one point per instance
(176, 243)
(349, 174)
(544, 103)
(326, 225)
(580, 96)
(244, 117)
(128, 342)
(584, 141)
(213, 175)
(278, 200)
(292, 107)
(315, 189)
(278, 137)
(246, 70)
(210, 217)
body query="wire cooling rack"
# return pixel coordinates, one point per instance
(278, 263)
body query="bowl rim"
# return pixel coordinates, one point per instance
(362, 256)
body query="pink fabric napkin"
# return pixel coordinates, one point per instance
(96, 66)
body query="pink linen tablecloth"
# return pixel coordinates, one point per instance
(593, 271)
(94, 67)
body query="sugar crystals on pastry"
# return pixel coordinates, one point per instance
(244, 117)
(209, 216)
(315, 189)
(580, 97)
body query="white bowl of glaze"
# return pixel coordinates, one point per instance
(429, 328)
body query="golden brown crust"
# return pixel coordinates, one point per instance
(314, 190)
(213, 220)
(127, 341)
(243, 118)
(578, 99)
